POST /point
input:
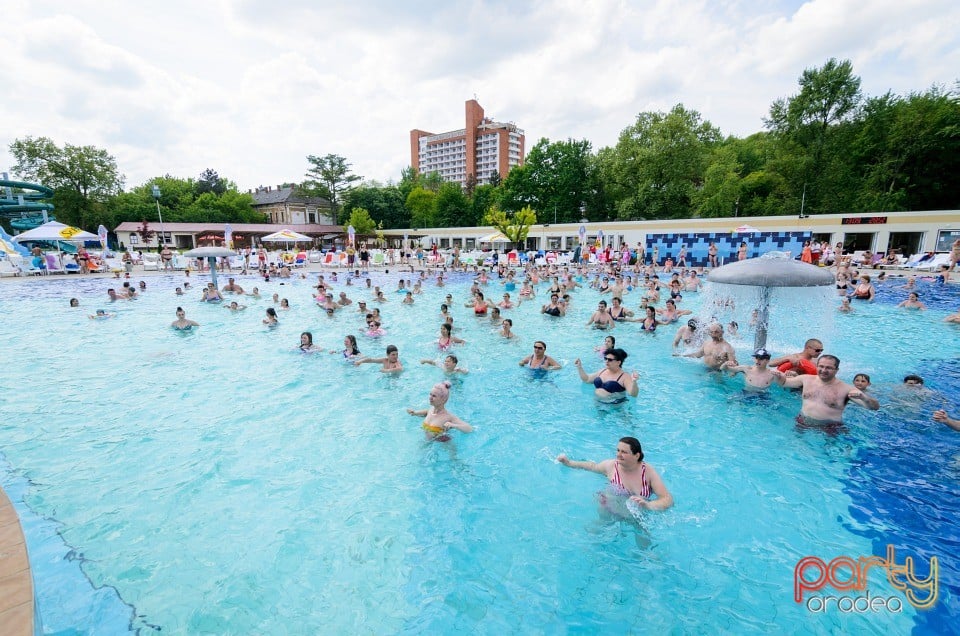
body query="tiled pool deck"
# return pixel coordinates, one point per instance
(16, 584)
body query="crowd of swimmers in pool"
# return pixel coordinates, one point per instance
(823, 396)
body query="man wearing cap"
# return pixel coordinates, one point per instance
(757, 376)
(824, 396)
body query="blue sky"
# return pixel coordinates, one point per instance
(250, 88)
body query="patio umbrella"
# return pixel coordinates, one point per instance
(211, 254)
(582, 232)
(228, 235)
(286, 236)
(496, 237)
(55, 232)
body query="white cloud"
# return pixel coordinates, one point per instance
(250, 88)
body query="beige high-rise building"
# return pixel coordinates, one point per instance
(480, 148)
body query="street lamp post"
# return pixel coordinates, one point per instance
(156, 197)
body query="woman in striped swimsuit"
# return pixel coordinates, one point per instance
(630, 477)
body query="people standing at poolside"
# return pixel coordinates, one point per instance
(539, 358)
(757, 376)
(712, 255)
(437, 420)
(611, 382)
(389, 364)
(166, 257)
(954, 258)
(824, 397)
(182, 323)
(715, 351)
(630, 478)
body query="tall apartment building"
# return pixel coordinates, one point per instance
(481, 148)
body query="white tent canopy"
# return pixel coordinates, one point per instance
(54, 231)
(496, 237)
(287, 236)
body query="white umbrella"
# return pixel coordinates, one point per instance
(496, 237)
(286, 236)
(54, 231)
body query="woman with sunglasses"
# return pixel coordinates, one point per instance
(539, 358)
(612, 383)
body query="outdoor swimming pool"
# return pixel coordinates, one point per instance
(218, 481)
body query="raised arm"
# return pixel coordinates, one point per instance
(594, 467)
(866, 401)
(584, 376)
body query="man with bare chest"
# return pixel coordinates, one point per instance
(824, 396)
(716, 351)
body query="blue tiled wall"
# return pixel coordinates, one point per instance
(727, 244)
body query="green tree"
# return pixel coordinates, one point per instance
(452, 206)
(720, 195)
(484, 197)
(813, 122)
(515, 226)
(330, 177)
(385, 204)
(560, 178)
(362, 224)
(82, 177)
(658, 164)
(422, 205)
(908, 152)
(210, 181)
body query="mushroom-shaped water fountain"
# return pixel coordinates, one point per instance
(211, 254)
(773, 269)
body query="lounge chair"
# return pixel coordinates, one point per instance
(151, 262)
(53, 264)
(112, 265)
(315, 256)
(7, 268)
(935, 263)
(377, 259)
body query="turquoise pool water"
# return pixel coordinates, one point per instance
(219, 481)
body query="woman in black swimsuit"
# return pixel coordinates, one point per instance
(611, 382)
